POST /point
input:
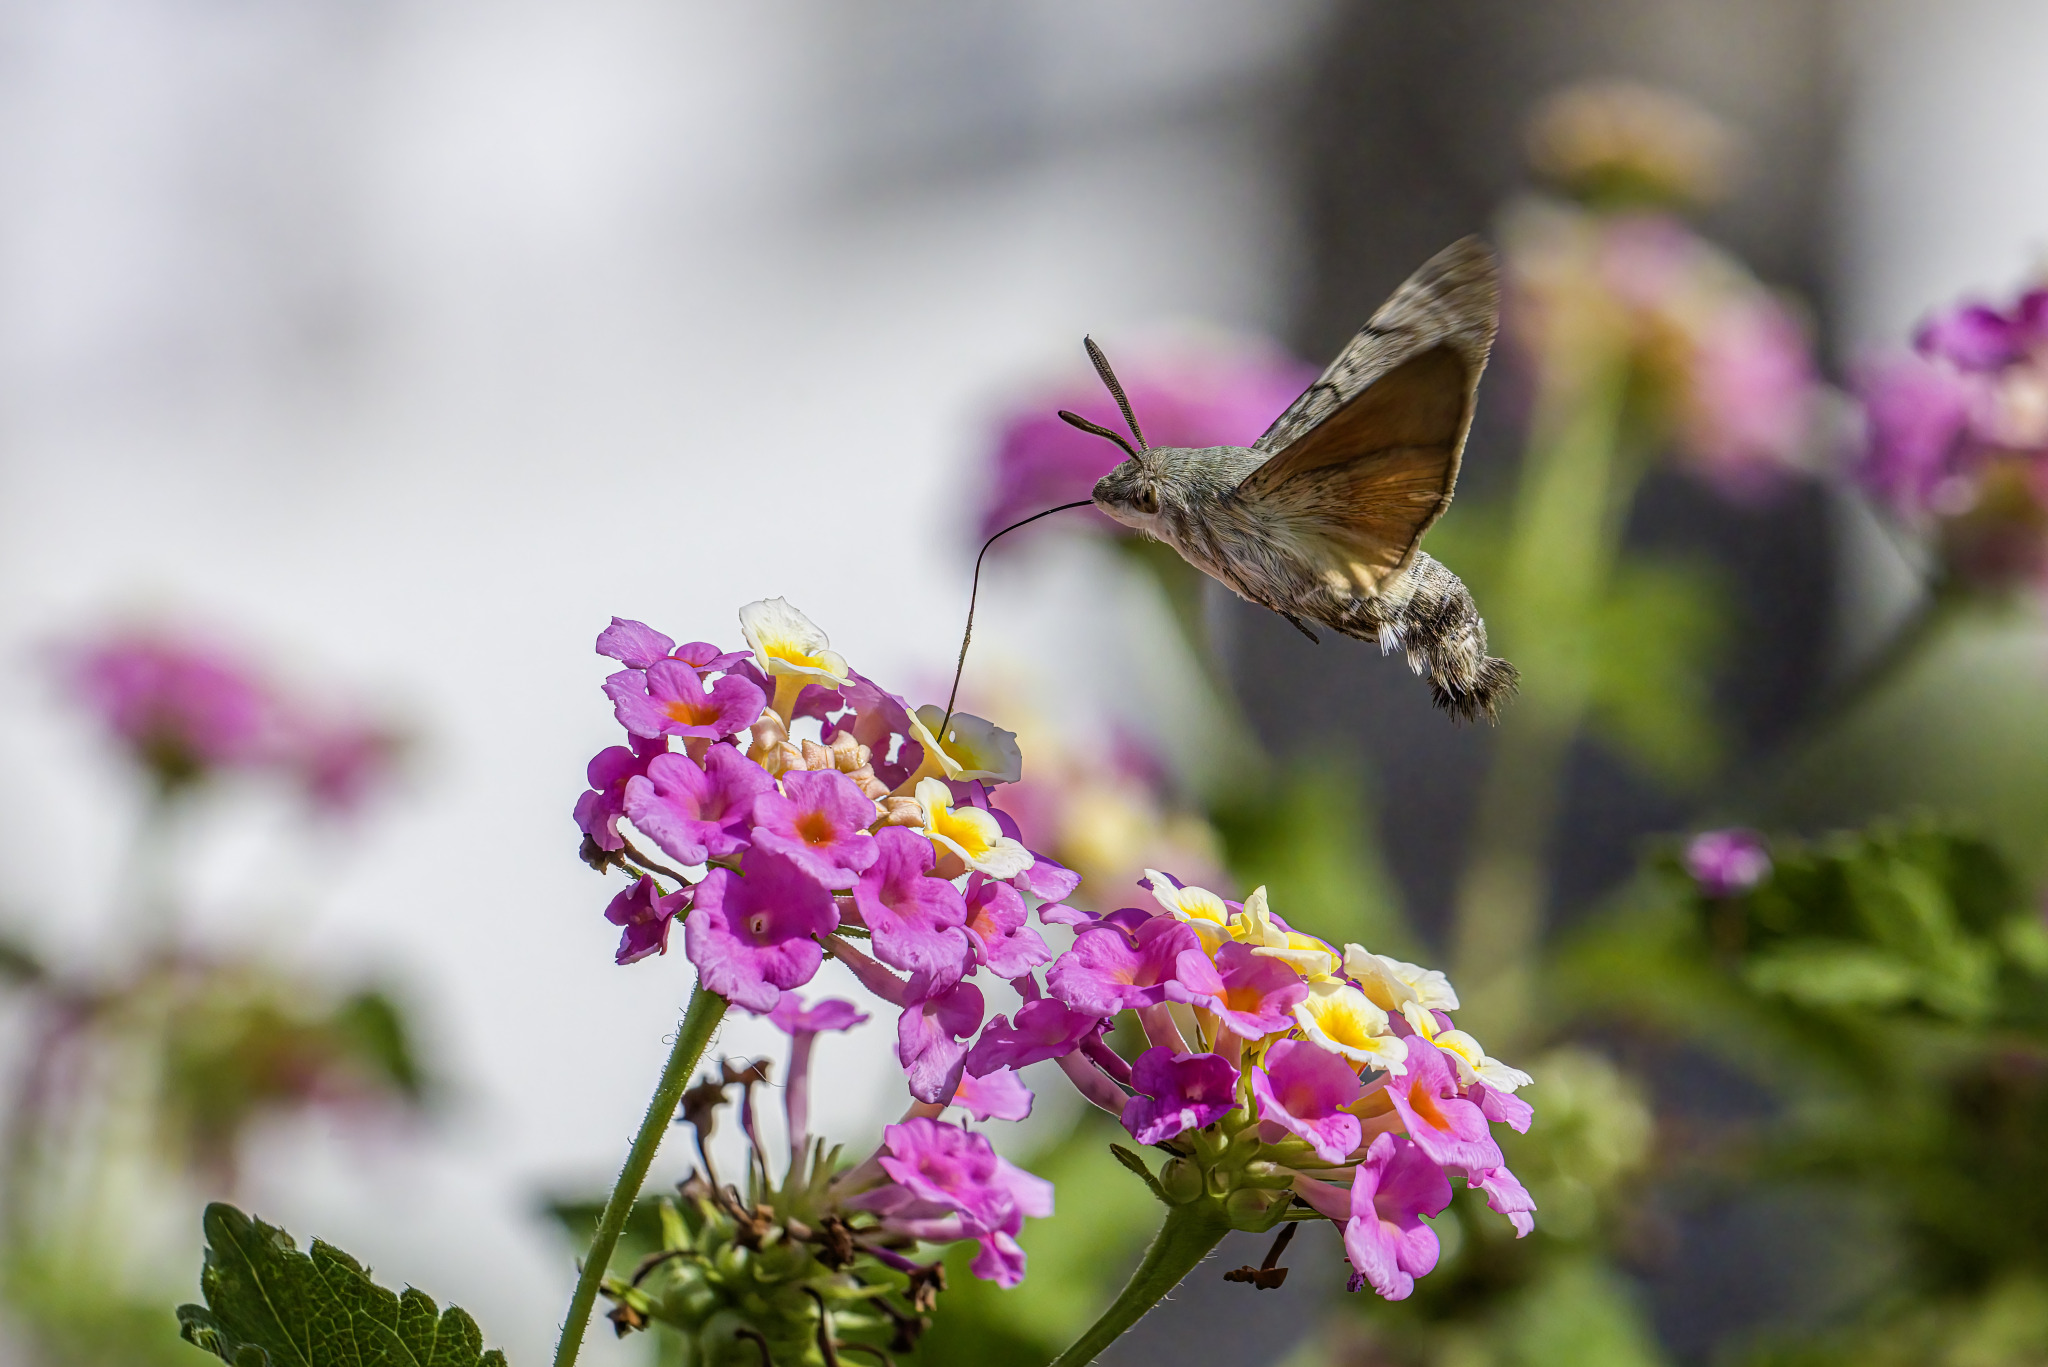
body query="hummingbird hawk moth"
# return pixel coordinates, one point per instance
(1321, 519)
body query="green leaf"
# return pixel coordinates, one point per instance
(269, 1305)
(1137, 1165)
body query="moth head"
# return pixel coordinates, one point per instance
(1129, 493)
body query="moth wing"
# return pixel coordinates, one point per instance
(1365, 461)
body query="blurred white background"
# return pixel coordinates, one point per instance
(409, 342)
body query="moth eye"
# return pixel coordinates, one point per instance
(1147, 499)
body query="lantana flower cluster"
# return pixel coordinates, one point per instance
(1286, 1077)
(824, 1255)
(1956, 438)
(1725, 363)
(1609, 285)
(808, 811)
(186, 709)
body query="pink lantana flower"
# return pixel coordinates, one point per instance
(752, 937)
(598, 811)
(639, 646)
(1253, 996)
(931, 1040)
(633, 644)
(1385, 1238)
(647, 916)
(1001, 1095)
(1506, 1195)
(1507, 1110)
(697, 812)
(1105, 972)
(819, 823)
(1304, 1090)
(1047, 879)
(1044, 1029)
(1178, 1092)
(915, 919)
(949, 1184)
(1447, 1127)
(670, 698)
(995, 926)
(803, 1024)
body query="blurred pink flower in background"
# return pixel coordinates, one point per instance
(1956, 437)
(1190, 394)
(186, 708)
(1723, 364)
(1724, 863)
(1748, 407)
(182, 707)
(1104, 807)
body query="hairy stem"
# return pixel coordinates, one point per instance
(706, 1009)
(1189, 1235)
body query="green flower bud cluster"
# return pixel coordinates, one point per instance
(781, 1279)
(1227, 1164)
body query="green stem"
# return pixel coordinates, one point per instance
(1189, 1234)
(1570, 512)
(705, 1011)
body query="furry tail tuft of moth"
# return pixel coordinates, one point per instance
(1493, 683)
(1430, 617)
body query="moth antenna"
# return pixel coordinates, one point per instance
(1116, 389)
(1096, 429)
(974, 591)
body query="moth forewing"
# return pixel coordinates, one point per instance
(1322, 519)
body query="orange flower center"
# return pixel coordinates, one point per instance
(691, 712)
(815, 828)
(1422, 1101)
(1247, 999)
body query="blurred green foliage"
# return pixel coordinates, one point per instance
(1888, 990)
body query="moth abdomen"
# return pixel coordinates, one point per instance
(1428, 614)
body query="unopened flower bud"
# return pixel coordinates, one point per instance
(849, 754)
(1248, 1208)
(781, 759)
(901, 811)
(1181, 1180)
(768, 734)
(865, 780)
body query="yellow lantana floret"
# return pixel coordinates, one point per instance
(790, 649)
(1198, 907)
(1395, 985)
(972, 748)
(1305, 954)
(970, 832)
(1338, 1017)
(1474, 1064)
